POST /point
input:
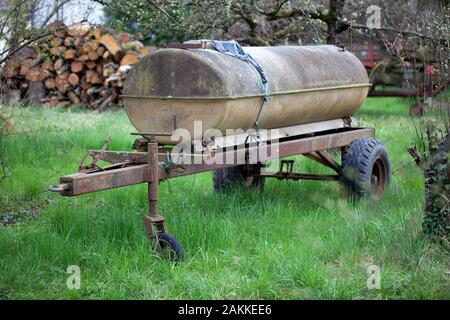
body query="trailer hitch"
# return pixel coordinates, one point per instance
(59, 187)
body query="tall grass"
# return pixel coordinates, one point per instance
(296, 240)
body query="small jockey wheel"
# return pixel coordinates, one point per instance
(164, 244)
(168, 247)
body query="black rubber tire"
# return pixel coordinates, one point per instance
(365, 169)
(227, 178)
(167, 241)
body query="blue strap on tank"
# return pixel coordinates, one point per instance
(232, 48)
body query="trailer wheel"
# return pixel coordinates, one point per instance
(227, 178)
(169, 247)
(365, 169)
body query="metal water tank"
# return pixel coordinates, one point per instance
(172, 88)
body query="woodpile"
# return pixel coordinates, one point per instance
(77, 65)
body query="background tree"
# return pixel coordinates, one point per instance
(257, 22)
(432, 148)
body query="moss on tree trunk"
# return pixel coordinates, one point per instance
(437, 193)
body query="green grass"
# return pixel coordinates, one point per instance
(298, 240)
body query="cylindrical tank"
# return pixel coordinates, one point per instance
(172, 88)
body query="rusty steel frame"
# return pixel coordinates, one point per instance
(153, 221)
(298, 176)
(130, 168)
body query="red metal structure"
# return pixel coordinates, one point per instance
(418, 80)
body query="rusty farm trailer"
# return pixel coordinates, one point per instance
(302, 97)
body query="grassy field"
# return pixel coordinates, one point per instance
(297, 240)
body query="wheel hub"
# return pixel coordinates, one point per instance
(379, 178)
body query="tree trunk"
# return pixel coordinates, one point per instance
(437, 194)
(334, 20)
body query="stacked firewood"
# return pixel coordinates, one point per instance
(76, 65)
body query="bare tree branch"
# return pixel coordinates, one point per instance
(275, 11)
(404, 32)
(152, 3)
(54, 11)
(294, 13)
(12, 50)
